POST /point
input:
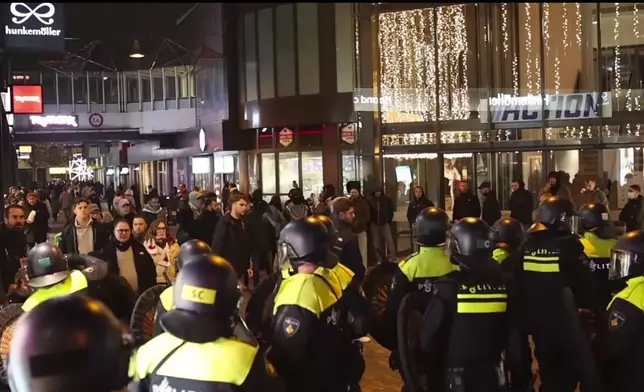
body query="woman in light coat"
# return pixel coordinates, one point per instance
(163, 249)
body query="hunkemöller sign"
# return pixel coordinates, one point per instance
(34, 26)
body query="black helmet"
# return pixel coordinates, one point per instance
(191, 248)
(593, 215)
(46, 265)
(627, 258)
(430, 227)
(508, 231)
(556, 213)
(206, 296)
(470, 237)
(71, 343)
(306, 240)
(330, 228)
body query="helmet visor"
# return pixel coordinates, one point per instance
(620, 264)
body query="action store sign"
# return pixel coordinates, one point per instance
(34, 26)
(26, 99)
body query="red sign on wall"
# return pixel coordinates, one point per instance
(27, 99)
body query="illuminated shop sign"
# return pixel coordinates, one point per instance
(26, 99)
(366, 100)
(506, 108)
(54, 121)
(35, 26)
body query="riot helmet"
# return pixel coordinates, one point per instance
(556, 213)
(305, 240)
(46, 265)
(627, 258)
(206, 296)
(71, 343)
(592, 216)
(430, 227)
(189, 249)
(468, 243)
(508, 233)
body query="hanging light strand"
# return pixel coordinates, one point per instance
(564, 15)
(578, 24)
(616, 63)
(528, 46)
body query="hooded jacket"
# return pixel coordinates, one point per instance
(416, 206)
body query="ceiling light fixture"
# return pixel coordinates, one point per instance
(136, 51)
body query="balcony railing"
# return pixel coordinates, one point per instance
(93, 91)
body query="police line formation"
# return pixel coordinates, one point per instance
(464, 313)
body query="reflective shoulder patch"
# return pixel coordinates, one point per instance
(616, 320)
(290, 326)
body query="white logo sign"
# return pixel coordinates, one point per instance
(202, 139)
(22, 10)
(47, 120)
(22, 13)
(27, 98)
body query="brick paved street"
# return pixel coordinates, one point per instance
(378, 376)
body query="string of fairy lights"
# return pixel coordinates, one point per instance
(424, 62)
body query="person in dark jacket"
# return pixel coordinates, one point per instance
(418, 203)
(231, 236)
(83, 235)
(152, 209)
(206, 222)
(125, 210)
(466, 204)
(343, 216)
(382, 214)
(109, 196)
(521, 203)
(129, 258)
(326, 197)
(633, 212)
(361, 222)
(37, 220)
(14, 244)
(262, 233)
(490, 208)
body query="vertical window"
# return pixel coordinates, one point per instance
(268, 173)
(95, 88)
(251, 56)
(64, 89)
(284, 42)
(157, 84)
(110, 82)
(80, 88)
(241, 63)
(344, 52)
(308, 55)
(289, 166)
(145, 85)
(132, 87)
(170, 86)
(266, 58)
(49, 87)
(312, 173)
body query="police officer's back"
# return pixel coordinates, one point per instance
(308, 343)
(186, 252)
(71, 344)
(48, 274)
(417, 272)
(552, 282)
(198, 351)
(599, 239)
(466, 319)
(622, 340)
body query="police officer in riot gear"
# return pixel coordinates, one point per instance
(188, 250)
(466, 319)
(418, 271)
(621, 338)
(509, 236)
(199, 330)
(309, 338)
(599, 239)
(70, 343)
(48, 274)
(552, 282)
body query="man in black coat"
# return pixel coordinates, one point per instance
(490, 208)
(466, 204)
(521, 203)
(382, 214)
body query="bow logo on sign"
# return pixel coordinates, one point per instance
(22, 10)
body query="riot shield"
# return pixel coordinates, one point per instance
(8, 317)
(259, 309)
(412, 358)
(144, 314)
(376, 287)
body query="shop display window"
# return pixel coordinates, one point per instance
(312, 173)
(268, 173)
(289, 165)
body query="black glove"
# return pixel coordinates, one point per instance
(394, 360)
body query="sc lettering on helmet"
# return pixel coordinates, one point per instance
(198, 294)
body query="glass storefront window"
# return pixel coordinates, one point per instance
(289, 170)
(312, 173)
(268, 173)
(349, 166)
(253, 171)
(201, 172)
(457, 168)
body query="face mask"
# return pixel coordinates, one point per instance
(631, 195)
